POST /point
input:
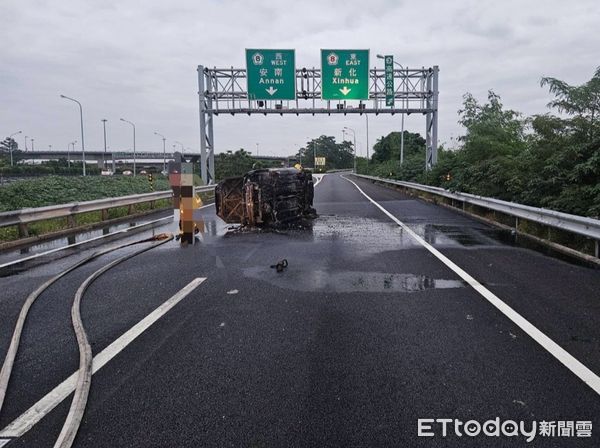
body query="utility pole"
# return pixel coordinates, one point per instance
(164, 150)
(367, 117)
(134, 153)
(81, 122)
(11, 146)
(104, 120)
(354, 134)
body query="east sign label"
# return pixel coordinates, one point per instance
(271, 74)
(345, 74)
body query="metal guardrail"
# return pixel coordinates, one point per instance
(25, 216)
(580, 225)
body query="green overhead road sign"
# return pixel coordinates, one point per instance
(271, 74)
(345, 74)
(389, 80)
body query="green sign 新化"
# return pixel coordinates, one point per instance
(271, 74)
(345, 74)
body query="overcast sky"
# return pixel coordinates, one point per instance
(138, 59)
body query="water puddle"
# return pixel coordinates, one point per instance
(349, 281)
(465, 236)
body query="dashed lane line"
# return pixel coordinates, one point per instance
(33, 415)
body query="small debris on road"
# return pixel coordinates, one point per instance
(280, 266)
(233, 291)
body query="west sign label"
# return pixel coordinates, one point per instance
(345, 74)
(271, 74)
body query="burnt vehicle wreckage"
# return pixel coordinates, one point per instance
(271, 197)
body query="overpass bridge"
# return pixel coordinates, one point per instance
(147, 158)
(396, 322)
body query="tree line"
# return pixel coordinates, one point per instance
(544, 160)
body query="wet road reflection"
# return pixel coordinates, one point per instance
(300, 279)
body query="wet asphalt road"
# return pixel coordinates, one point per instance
(364, 333)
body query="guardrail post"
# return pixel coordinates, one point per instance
(24, 231)
(130, 209)
(104, 214)
(597, 250)
(71, 222)
(152, 205)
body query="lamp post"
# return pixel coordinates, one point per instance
(379, 56)
(31, 144)
(133, 125)
(354, 134)
(26, 137)
(11, 146)
(69, 154)
(81, 122)
(164, 139)
(367, 117)
(104, 120)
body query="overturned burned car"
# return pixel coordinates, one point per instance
(266, 197)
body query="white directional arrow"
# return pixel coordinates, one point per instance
(271, 90)
(345, 91)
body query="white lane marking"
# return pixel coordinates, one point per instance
(33, 415)
(585, 374)
(319, 179)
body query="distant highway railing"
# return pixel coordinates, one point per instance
(23, 217)
(552, 227)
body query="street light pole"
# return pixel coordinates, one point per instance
(379, 56)
(31, 144)
(68, 153)
(354, 134)
(257, 150)
(82, 137)
(104, 120)
(134, 154)
(367, 117)
(181, 144)
(11, 150)
(164, 150)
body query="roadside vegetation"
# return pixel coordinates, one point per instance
(238, 163)
(52, 190)
(550, 161)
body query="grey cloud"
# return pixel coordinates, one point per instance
(137, 59)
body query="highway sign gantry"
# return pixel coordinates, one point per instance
(345, 74)
(271, 74)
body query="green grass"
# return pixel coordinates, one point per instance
(53, 190)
